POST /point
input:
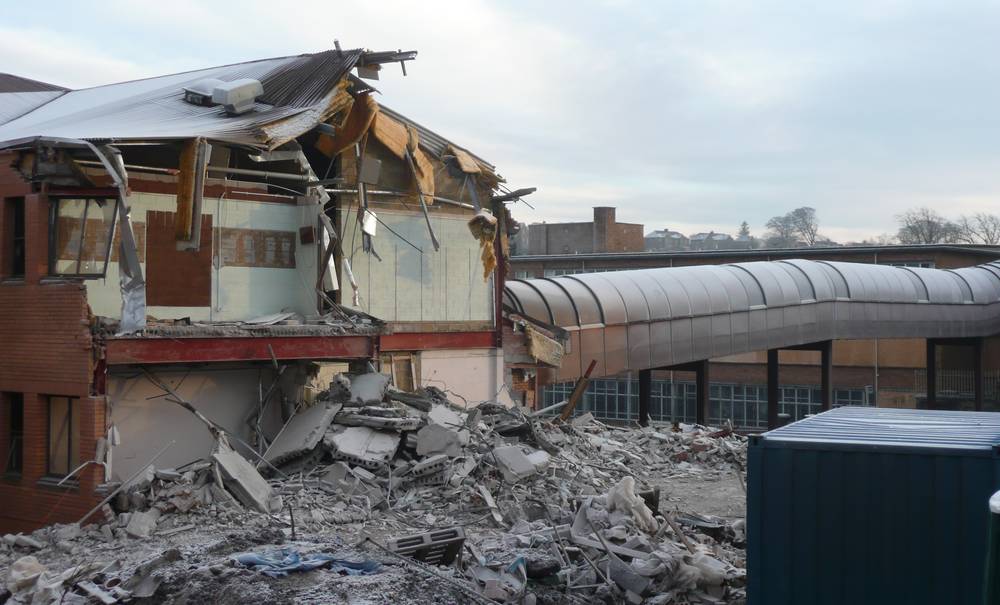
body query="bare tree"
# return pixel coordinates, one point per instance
(925, 226)
(980, 228)
(781, 231)
(805, 223)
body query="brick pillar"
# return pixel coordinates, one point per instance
(92, 422)
(36, 233)
(604, 223)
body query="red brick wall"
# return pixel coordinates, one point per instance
(177, 278)
(47, 350)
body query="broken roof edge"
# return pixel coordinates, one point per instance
(431, 137)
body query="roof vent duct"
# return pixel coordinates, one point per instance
(238, 96)
(200, 93)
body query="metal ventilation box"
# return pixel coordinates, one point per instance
(871, 505)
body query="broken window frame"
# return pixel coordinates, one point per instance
(91, 202)
(69, 434)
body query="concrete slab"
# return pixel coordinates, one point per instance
(367, 389)
(362, 445)
(242, 479)
(302, 433)
(438, 439)
(142, 524)
(514, 462)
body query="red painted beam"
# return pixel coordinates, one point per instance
(422, 341)
(121, 351)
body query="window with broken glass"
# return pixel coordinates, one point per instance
(81, 231)
(63, 436)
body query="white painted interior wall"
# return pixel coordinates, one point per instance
(476, 375)
(147, 422)
(237, 292)
(420, 285)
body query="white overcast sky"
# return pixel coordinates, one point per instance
(693, 115)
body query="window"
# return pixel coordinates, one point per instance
(64, 436)
(925, 264)
(14, 416)
(14, 238)
(80, 234)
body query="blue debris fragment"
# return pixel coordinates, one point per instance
(280, 562)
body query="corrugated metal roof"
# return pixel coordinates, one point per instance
(894, 428)
(652, 318)
(16, 104)
(154, 109)
(12, 83)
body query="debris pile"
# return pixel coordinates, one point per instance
(485, 504)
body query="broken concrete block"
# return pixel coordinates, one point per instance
(514, 463)
(142, 524)
(302, 432)
(23, 574)
(540, 459)
(367, 389)
(242, 479)
(438, 439)
(406, 423)
(335, 473)
(444, 415)
(582, 420)
(431, 464)
(362, 445)
(28, 542)
(626, 577)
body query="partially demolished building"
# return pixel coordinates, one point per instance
(207, 237)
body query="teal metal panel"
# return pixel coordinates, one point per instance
(871, 506)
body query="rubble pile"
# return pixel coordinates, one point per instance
(408, 495)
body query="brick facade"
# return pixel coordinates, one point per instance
(603, 234)
(48, 351)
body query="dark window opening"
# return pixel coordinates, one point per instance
(81, 231)
(17, 241)
(14, 456)
(63, 436)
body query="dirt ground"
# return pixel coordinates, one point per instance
(718, 494)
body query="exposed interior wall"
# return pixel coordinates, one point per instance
(237, 292)
(424, 285)
(475, 375)
(147, 421)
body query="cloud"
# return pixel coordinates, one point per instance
(701, 114)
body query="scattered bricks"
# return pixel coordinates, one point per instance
(438, 547)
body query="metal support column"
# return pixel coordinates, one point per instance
(931, 374)
(701, 386)
(826, 375)
(645, 395)
(773, 389)
(977, 371)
